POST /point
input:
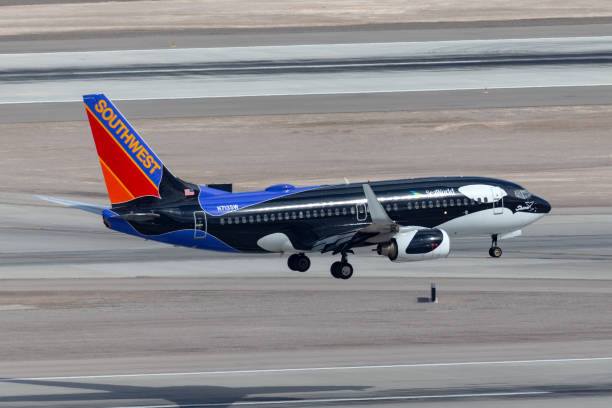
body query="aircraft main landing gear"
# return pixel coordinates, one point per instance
(342, 269)
(298, 262)
(495, 251)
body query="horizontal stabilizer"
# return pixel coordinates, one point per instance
(92, 208)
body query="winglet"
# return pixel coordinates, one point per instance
(377, 212)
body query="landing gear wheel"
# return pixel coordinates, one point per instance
(342, 269)
(495, 252)
(298, 262)
(335, 269)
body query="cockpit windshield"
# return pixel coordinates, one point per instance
(522, 193)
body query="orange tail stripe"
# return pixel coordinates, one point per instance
(117, 192)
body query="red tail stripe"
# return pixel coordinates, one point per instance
(120, 162)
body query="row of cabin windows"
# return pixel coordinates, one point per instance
(418, 204)
(289, 216)
(442, 203)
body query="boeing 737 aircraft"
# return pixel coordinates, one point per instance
(403, 220)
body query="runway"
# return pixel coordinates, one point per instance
(307, 69)
(338, 386)
(92, 318)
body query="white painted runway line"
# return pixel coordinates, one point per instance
(341, 400)
(313, 369)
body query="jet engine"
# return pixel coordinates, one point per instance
(416, 245)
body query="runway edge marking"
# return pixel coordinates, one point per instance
(337, 368)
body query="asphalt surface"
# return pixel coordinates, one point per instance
(476, 30)
(304, 104)
(307, 69)
(94, 318)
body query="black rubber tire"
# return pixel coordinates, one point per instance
(335, 269)
(302, 264)
(495, 252)
(292, 262)
(345, 271)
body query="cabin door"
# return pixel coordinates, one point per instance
(498, 200)
(200, 225)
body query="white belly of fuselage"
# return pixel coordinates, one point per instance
(489, 222)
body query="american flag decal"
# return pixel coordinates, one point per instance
(188, 192)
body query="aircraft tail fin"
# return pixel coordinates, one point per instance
(130, 167)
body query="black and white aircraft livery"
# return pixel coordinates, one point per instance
(402, 220)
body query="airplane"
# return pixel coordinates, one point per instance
(402, 220)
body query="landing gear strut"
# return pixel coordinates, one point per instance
(495, 251)
(342, 269)
(298, 262)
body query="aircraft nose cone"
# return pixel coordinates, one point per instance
(543, 206)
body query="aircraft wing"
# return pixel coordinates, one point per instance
(381, 229)
(342, 242)
(92, 208)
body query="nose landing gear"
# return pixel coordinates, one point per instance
(495, 251)
(342, 269)
(298, 262)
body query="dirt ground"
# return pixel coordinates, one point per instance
(561, 153)
(79, 321)
(58, 17)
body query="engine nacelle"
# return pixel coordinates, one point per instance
(416, 245)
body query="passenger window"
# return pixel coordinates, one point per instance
(279, 216)
(229, 220)
(458, 202)
(272, 217)
(352, 210)
(394, 206)
(472, 202)
(444, 203)
(307, 213)
(293, 217)
(258, 218)
(287, 216)
(451, 202)
(416, 205)
(437, 203)
(222, 221)
(315, 213)
(337, 212)
(251, 219)
(465, 201)
(244, 220)
(486, 199)
(301, 214)
(409, 205)
(237, 220)
(344, 211)
(388, 207)
(431, 204)
(329, 212)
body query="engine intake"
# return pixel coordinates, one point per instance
(416, 245)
